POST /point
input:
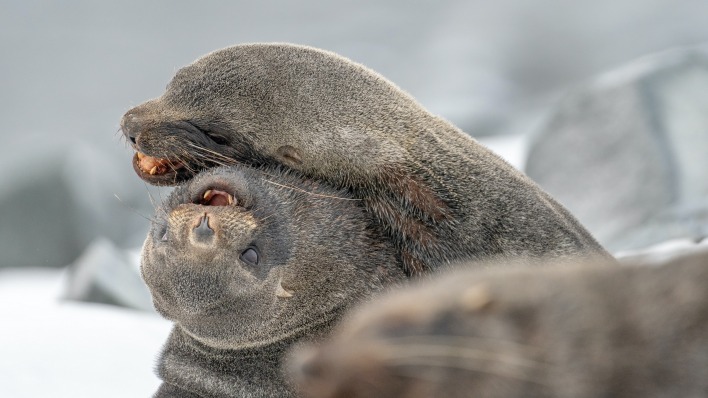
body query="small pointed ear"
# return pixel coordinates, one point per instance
(282, 292)
(290, 156)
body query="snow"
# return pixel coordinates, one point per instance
(663, 251)
(54, 348)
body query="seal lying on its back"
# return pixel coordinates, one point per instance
(436, 192)
(245, 266)
(570, 331)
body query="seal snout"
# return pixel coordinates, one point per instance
(130, 124)
(205, 224)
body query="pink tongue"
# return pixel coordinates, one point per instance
(215, 197)
(218, 200)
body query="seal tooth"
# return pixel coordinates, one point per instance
(207, 194)
(281, 292)
(230, 199)
(153, 170)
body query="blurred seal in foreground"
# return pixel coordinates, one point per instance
(570, 331)
(438, 194)
(245, 264)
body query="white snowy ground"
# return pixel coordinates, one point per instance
(55, 348)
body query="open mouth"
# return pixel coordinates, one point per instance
(156, 166)
(215, 197)
(160, 171)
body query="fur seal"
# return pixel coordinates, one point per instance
(437, 193)
(245, 266)
(557, 331)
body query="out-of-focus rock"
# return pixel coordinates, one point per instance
(37, 228)
(57, 200)
(105, 274)
(37, 222)
(628, 153)
(110, 201)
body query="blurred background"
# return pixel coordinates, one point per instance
(604, 103)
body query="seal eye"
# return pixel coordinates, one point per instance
(218, 139)
(250, 256)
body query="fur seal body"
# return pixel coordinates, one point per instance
(247, 265)
(438, 194)
(570, 331)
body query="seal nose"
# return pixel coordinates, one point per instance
(130, 124)
(203, 233)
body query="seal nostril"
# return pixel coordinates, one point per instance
(203, 230)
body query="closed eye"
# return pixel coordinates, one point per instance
(218, 139)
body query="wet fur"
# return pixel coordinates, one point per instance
(231, 327)
(436, 193)
(556, 331)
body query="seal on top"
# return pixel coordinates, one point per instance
(436, 193)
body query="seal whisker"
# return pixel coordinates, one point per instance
(206, 158)
(152, 200)
(262, 220)
(159, 208)
(216, 158)
(262, 215)
(201, 159)
(122, 136)
(185, 159)
(215, 155)
(310, 193)
(134, 210)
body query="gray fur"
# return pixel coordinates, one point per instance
(560, 331)
(233, 319)
(437, 193)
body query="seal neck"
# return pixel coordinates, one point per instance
(190, 365)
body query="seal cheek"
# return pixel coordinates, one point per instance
(289, 156)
